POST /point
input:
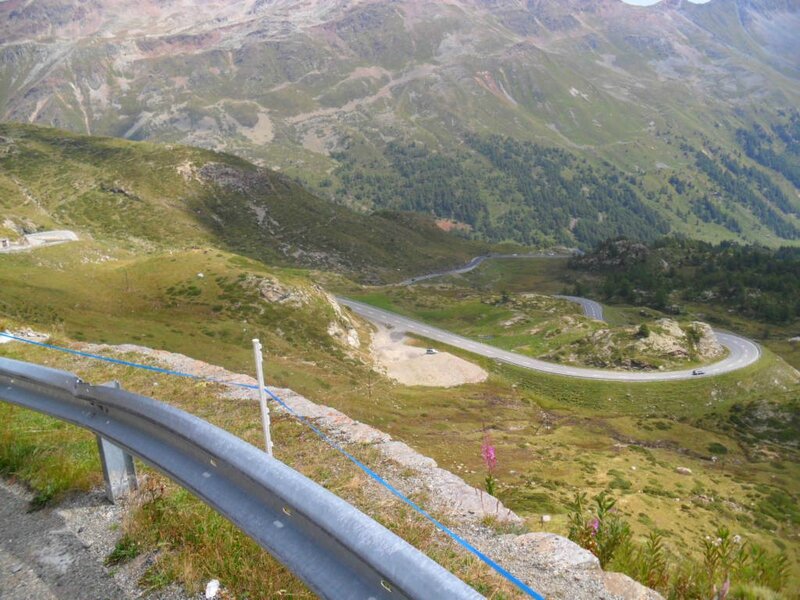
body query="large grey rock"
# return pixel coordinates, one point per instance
(555, 553)
(624, 587)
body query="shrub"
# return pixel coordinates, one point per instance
(490, 460)
(604, 532)
(126, 549)
(717, 448)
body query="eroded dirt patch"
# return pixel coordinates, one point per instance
(411, 365)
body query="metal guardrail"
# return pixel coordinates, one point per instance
(334, 548)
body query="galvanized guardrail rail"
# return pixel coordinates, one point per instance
(334, 548)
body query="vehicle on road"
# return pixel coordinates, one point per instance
(698, 372)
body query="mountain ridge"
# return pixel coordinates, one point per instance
(311, 88)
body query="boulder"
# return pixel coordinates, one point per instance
(552, 552)
(623, 586)
(275, 292)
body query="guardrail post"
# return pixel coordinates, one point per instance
(119, 470)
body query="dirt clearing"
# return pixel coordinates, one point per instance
(412, 365)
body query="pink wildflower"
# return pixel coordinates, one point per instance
(488, 453)
(595, 526)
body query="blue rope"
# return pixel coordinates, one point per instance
(324, 437)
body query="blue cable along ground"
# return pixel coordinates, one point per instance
(521, 585)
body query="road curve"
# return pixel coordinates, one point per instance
(591, 308)
(741, 352)
(474, 264)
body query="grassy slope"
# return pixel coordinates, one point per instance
(146, 196)
(558, 436)
(533, 325)
(555, 436)
(158, 300)
(551, 276)
(635, 126)
(629, 86)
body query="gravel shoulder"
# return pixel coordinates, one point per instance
(57, 553)
(43, 557)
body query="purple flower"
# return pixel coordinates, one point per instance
(595, 526)
(488, 453)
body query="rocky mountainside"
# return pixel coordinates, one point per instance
(541, 121)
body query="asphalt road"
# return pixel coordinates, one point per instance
(474, 264)
(592, 309)
(742, 352)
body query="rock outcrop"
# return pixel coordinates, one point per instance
(274, 291)
(341, 327)
(663, 343)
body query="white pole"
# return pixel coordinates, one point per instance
(262, 396)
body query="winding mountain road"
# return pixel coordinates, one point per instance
(474, 264)
(741, 351)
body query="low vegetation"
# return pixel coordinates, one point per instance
(730, 567)
(682, 459)
(747, 289)
(756, 282)
(147, 197)
(553, 436)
